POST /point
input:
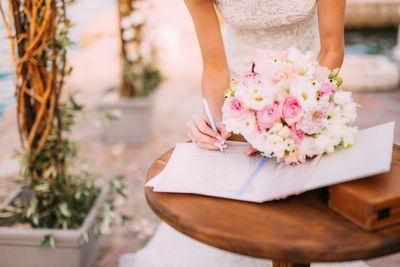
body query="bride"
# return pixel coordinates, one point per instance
(267, 24)
(308, 25)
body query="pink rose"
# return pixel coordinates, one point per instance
(249, 78)
(296, 134)
(327, 88)
(268, 116)
(235, 107)
(321, 74)
(290, 110)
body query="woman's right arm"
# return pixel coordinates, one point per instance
(216, 76)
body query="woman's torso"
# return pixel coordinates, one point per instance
(266, 24)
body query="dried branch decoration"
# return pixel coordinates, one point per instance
(37, 46)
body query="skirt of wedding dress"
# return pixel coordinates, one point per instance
(170, 248)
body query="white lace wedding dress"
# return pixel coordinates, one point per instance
(250, 24)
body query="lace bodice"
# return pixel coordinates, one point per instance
(266, 24)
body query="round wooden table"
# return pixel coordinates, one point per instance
(291, 232)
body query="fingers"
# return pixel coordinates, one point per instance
(250, 151)
(203, 126)
(199, 137)
(224, 134)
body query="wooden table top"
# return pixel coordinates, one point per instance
(299, 229)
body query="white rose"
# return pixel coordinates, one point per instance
(342, 97)
(132, 55)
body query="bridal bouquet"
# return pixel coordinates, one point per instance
(290, 107)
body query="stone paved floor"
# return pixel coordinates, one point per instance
(96, 68)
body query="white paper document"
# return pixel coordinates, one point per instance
(222, 174)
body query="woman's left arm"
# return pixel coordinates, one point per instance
(331, 31)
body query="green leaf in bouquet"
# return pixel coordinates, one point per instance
(339, 81)
(334, 73)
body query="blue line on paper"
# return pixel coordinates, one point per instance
(252, 176)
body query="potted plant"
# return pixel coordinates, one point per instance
(51, 220)
(140, 77)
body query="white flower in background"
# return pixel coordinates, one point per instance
(116, 113)
(125, 23)
(342, 97)
(132, 55)
(128, 34)
(146, 49)
(137, 18)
